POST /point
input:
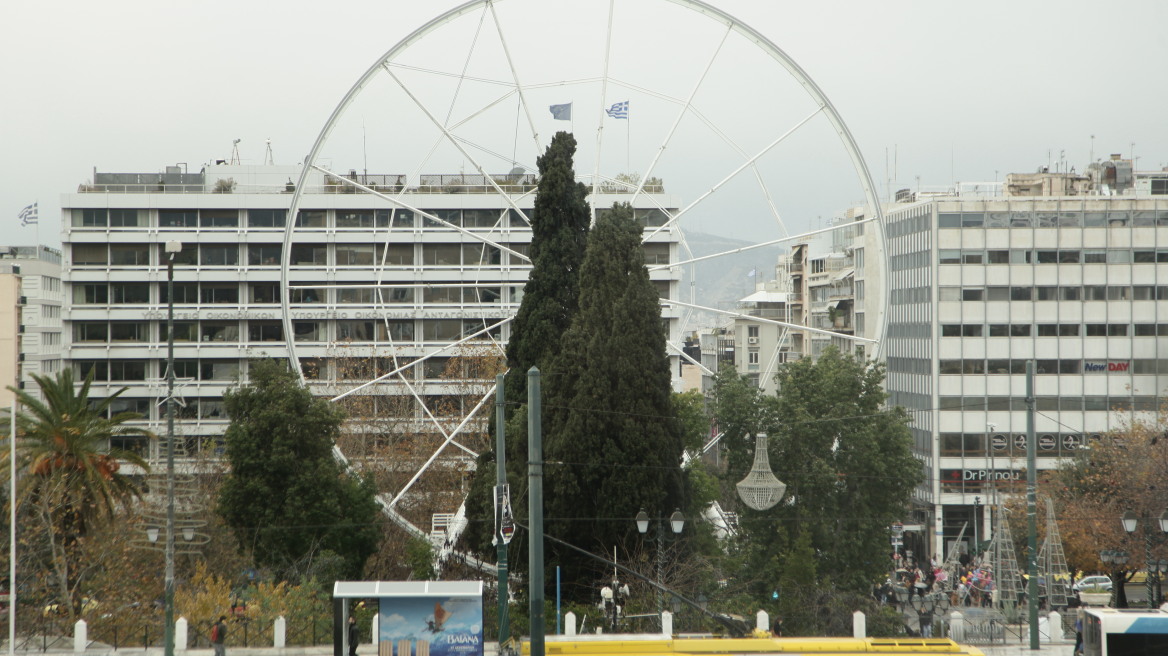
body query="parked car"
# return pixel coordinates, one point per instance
(1102, 582)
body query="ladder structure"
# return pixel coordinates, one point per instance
(952, 561)
(1052, 562)
(1007, 577)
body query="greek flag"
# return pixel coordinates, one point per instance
(619, 110)
(28, 215)
(561, 112)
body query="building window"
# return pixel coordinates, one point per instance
(311, 219)
(309, 254)
(90, 218)
(358, 331)
(129, 254)
(129, 331)
(219, 331)
(219, 255)
(357, 296)
(218, 369)
(184, 331)
(90, 254)
(306, 295)
(398, 218)
(307, 331)
(752, 357)
(354, 254)
(265, 331)
(221, 293)
(127, 370)
(267, 218)
(124, 218)
(265, 292)
(441, 254)
(91, 294)
(90, 331)
(219, 218)
(185, 293)
(178, 218)
(129, 292)
(263, 254)
(354, 218)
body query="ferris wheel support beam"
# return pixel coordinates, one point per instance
(658, 267)
(603, 102)
(421, 359)
(680, 115)
(751, 317)
(515, 77)
(750, 162)
(449, 439)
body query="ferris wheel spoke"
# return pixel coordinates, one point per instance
(680, 115)
(603, 100)
(773, 322)
(515, 77)
(425, 357)
(680, 351)
(762, 244)
(449, 440)
(447, 133)
(673, 219)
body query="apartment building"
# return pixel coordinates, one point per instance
(30, 317)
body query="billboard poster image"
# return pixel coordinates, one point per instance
(431, 625)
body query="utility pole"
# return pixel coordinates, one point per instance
(1031, 508)
(501, 482)
(535, 512)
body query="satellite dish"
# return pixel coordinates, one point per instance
(518, 170)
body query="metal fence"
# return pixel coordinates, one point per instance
(143, 631)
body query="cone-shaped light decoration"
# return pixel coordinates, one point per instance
(760, 489)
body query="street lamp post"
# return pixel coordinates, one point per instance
(1131, 522)
(172, 247)
(1119, 559)
(676, 524)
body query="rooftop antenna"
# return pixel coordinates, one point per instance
(1092, 159)
(235, 153)
(268, 159)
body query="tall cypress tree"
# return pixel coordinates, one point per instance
(559, 235)
(612, 441)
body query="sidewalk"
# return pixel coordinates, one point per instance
(489, 649)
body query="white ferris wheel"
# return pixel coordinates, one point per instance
(425, 174)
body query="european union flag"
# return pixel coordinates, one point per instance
(619, 110)
(561, 112)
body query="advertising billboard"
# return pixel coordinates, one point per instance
(430, 625)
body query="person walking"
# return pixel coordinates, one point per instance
(218, 635)
(354, 636)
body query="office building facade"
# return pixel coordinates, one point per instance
(372, 290)
(982, 283)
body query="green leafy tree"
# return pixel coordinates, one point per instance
(610, 425)
(286, 499)
(70, 473)
(559, 234)
(847, 461)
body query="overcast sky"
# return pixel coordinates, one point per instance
(959, 91)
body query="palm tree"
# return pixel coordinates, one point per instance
(68, 469)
